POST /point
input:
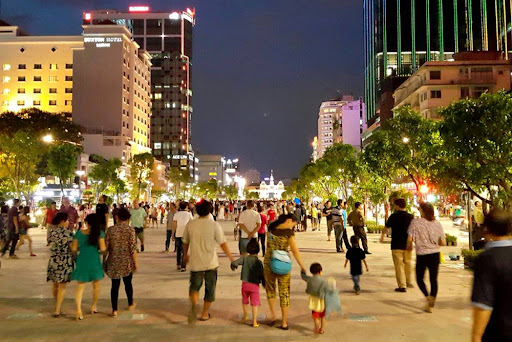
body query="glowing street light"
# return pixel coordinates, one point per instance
(48, 138)
(405, 140)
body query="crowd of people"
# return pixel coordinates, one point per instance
(83, 247)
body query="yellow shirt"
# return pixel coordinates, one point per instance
(478, 214)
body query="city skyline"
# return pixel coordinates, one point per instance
(268, 118)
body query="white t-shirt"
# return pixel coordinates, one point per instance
(203, 235)
(181, 218)
(250, 219)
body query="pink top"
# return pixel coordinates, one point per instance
(426, 235)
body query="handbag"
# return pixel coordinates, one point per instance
(280, 262)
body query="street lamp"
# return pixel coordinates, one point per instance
(405, 140)
(48, 138)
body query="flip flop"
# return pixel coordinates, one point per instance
(205, 319)
(284, 328)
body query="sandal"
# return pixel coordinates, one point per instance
(321, 331)
(284, 328)
(206, 319)
(255, 325)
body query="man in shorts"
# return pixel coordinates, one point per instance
(138, 216)
(201, 237)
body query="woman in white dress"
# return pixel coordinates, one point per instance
(222, 208)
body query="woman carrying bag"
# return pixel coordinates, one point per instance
(277, 264)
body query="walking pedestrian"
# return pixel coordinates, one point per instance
(271, 213)
(88, 242)
(262, 232)
(428, 235)
(81, 216)
(356, 220)
(115, 209)
(180, 220)
(281, 239)
(120, 259)
(399, 223)
(50, 213)
(492, 317)
(337, 224)
(201, 237)
(138, 216)
(13, 228)
(356, 256)
(252, 276)
(67, 208)
(344, 236)
(24, 225)
(314, 217)
(168, 227)
(478, 220)
(249, 222)
(102, 210)
(153, 216)
(328, 216)
(316, 288)
(61, 263)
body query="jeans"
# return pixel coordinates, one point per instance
(430, 261)
(338, 232)
(179, 252)
(402, 262)
(168, 239)
(12, 238)
(114, 291)
(329, 227)
(356, 279)
(345, 238)
(261, 238)
(361, 234)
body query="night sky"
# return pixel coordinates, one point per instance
(261, 68)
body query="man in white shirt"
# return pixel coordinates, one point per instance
(202, 236)
(180, 220)
(249, 223)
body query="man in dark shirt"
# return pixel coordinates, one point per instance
(102, 211)
(399, 223)
(13, 229)
(492, 302)
(356, 220)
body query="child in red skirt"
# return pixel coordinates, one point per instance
(316, 289)
(252, 276)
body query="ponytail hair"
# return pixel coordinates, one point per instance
(282, 219)
(94, 229)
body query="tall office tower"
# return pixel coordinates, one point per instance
(167, 36)
(401, 35)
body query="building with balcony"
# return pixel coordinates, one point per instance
(36, 71)
(438, 83)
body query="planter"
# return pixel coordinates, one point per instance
(451, 243)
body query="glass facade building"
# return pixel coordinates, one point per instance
(167, 36)
(401, 35)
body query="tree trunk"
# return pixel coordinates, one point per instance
(61, 189)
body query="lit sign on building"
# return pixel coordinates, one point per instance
(138, 8)
(212, 174)
(87, 16)
(102, 42)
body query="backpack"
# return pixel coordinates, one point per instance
(280, 262)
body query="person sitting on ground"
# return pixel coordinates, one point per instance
(252, 276)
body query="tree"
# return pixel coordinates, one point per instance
(341, 165)
(62, 160)
(477, 148)
(231, 192)
(178, 178)
(19, 154)
(208, 189)
(250, 195)
(106, 173)
(141, 170)
(156, 193)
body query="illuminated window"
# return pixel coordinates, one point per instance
(5, 103)
(21, 78)
(37, 78)
(21, 90)
(6, 67)
(22, 66)
(36, 102)
(53, 90)
(158, 145)
(37, 90)
(69, 66)
(158, 96)
(53, 66)
(69, 78)
(38, 66)
(21, 103)
(6, 79)
(52, 79)
(6, 91)
(68, 102)
(69, 90)
(52, 102)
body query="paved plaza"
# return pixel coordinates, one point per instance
(161, 294)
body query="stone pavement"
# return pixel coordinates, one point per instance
(378, 314)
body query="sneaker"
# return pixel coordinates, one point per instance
(183, 269)
(366, 252)
(179, 268)
(400, 289)
(141, 248)
(14, 256)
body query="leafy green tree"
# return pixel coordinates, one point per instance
(208, 189)
(62, 160)
(250, 195)
(477, 148)
(179, 179)
(141, 170)
(231, 192)
(340, 163)
(106, 174)
(156, 193)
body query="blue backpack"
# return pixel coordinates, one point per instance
(280, 262)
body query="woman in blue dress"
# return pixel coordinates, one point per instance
(89, 242)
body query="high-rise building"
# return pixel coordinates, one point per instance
(339, 121)
(400, 36)
(112, 98)
(167, 36)
(252, 176)
(36, 71)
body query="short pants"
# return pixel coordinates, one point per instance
(316, 314)
(210, 283)
(251, 291)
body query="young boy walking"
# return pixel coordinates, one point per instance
(252, 276)
(356, 256)
(316, 288)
